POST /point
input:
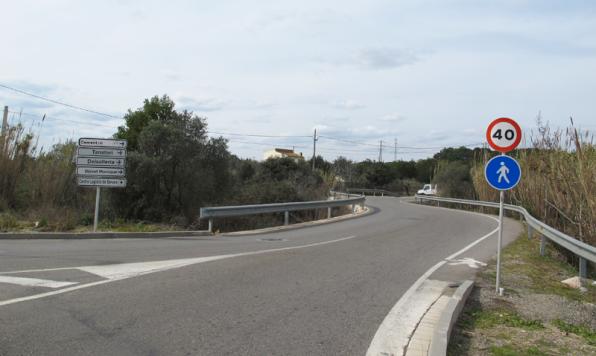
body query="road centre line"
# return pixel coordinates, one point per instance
(394, 333)
(129, 270)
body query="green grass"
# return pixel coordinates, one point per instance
(509, 350)
(485, 319)
(541, 274)
(581, 330)
(10, 223)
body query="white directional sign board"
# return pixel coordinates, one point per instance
(102, 182)
(100, 171)
(102, 152)
(100, 162)
(101, 142)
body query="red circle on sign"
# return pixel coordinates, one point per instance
(518, 134)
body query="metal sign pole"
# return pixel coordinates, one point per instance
(502, 172)
(500, 241)
(96, 218)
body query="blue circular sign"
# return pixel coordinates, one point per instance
(502, 172)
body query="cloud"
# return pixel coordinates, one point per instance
(393, 118)
(348, 105)
(384, 58)
(202, 104)
(38, 89)
(16, 103)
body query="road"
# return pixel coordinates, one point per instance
(320, 290)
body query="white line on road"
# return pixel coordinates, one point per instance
(394, 333)
(122, 271)
(34, 282)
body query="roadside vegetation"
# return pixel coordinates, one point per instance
(537, 315)
(174, 168)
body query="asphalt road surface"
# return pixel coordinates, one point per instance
(321, 290)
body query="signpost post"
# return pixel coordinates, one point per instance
(502, 172)
(101, 162)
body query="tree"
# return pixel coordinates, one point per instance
(454, 179)
(425, 169)
(173, 167)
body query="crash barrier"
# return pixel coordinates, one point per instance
(581, 249)
(373, 192)
(240, 210)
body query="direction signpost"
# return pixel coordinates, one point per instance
(100, 163)
(502, 172)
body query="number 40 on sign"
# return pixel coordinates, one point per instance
(503, 134)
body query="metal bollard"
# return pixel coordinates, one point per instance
(583, 268)
(542, 245)
(286, 218)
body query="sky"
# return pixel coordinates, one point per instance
(429, 74)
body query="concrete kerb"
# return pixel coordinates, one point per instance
(442, 331)
(99, 235)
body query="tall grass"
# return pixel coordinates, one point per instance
(16, 149)
(39, 186)
(558, 183)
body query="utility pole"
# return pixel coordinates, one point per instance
(381, 151)
(394, 149)
(314, 149)
(5, 121)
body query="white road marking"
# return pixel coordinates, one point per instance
(394, 332)
(122, 271)
(472, 263)
(128, 270)
(34, 282)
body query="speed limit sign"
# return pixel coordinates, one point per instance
(503, 134)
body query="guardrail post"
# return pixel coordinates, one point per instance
(529, 230)
(286, 218)
(583, 268)
(210, 227)
(329, 212)
(542, 245)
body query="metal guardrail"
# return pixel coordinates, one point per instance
(240, 210)
(583, 250)
(381, 192)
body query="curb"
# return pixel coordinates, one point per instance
(99, 235)
(442, 331)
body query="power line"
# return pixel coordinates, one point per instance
(65, 120)
(348, 141)
(57, 102)
(257, 135)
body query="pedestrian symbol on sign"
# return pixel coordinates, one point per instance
(502, 172)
